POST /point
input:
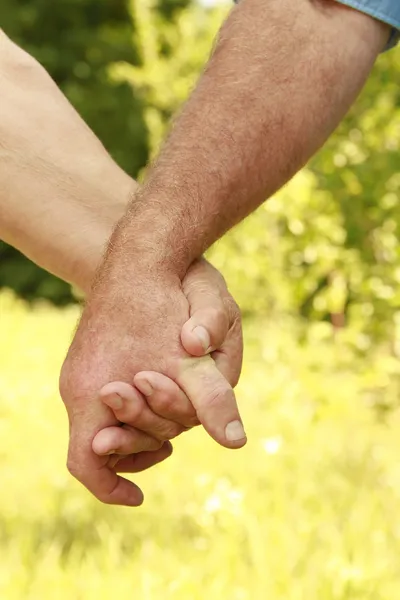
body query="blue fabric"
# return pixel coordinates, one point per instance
(387, 11)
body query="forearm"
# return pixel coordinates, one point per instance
(57, 233)
(60, 192)
(280, 80)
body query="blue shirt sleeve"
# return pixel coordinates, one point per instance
(387, 11)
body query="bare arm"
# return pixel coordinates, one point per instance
(281, 78)
(60, 196)
(60, 191)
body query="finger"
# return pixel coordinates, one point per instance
(93, 472)
(205, 330)
(134, 463)
(208, 325)
(123, 440)
(229, 357)
(165, 398)
(214, 401)
(131, 408)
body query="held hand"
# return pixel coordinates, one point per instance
(162, 410)
(116, 345)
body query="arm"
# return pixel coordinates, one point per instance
(279, 81)
(59, 201)
(60, 196)
(60, 191)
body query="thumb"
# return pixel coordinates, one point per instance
(214, 401)
(208, 325)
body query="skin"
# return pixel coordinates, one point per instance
(211, 305)
(41, 179)
(279, 81)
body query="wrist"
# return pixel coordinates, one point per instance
(93, 228)
(153, 242)
(154, 234)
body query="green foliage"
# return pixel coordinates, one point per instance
(76, 41)
(306, 511)
(172, 54)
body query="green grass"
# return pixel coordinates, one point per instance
(307, 511)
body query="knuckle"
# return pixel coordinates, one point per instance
(216, 399)
(74, 469)
(135, 411)
(162, 404)
(77, 473)
(179, 410)
(215, 396)
(105, 496)
(74, 383)
(64, 382)
(218, 313)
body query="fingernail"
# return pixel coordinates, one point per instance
(203, 336)
(145, 387)
(114, 401)
(234, 431)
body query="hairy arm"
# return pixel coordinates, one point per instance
(281, 78)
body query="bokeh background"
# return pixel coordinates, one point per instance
(309, 509)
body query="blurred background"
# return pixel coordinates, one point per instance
(308, 510)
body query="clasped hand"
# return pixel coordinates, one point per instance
(122, 415)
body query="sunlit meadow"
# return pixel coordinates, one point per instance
(307, 511)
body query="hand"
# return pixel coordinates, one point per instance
(162, 410)
(109, 346)
(90, 205)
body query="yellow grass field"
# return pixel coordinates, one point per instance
(309, 510)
